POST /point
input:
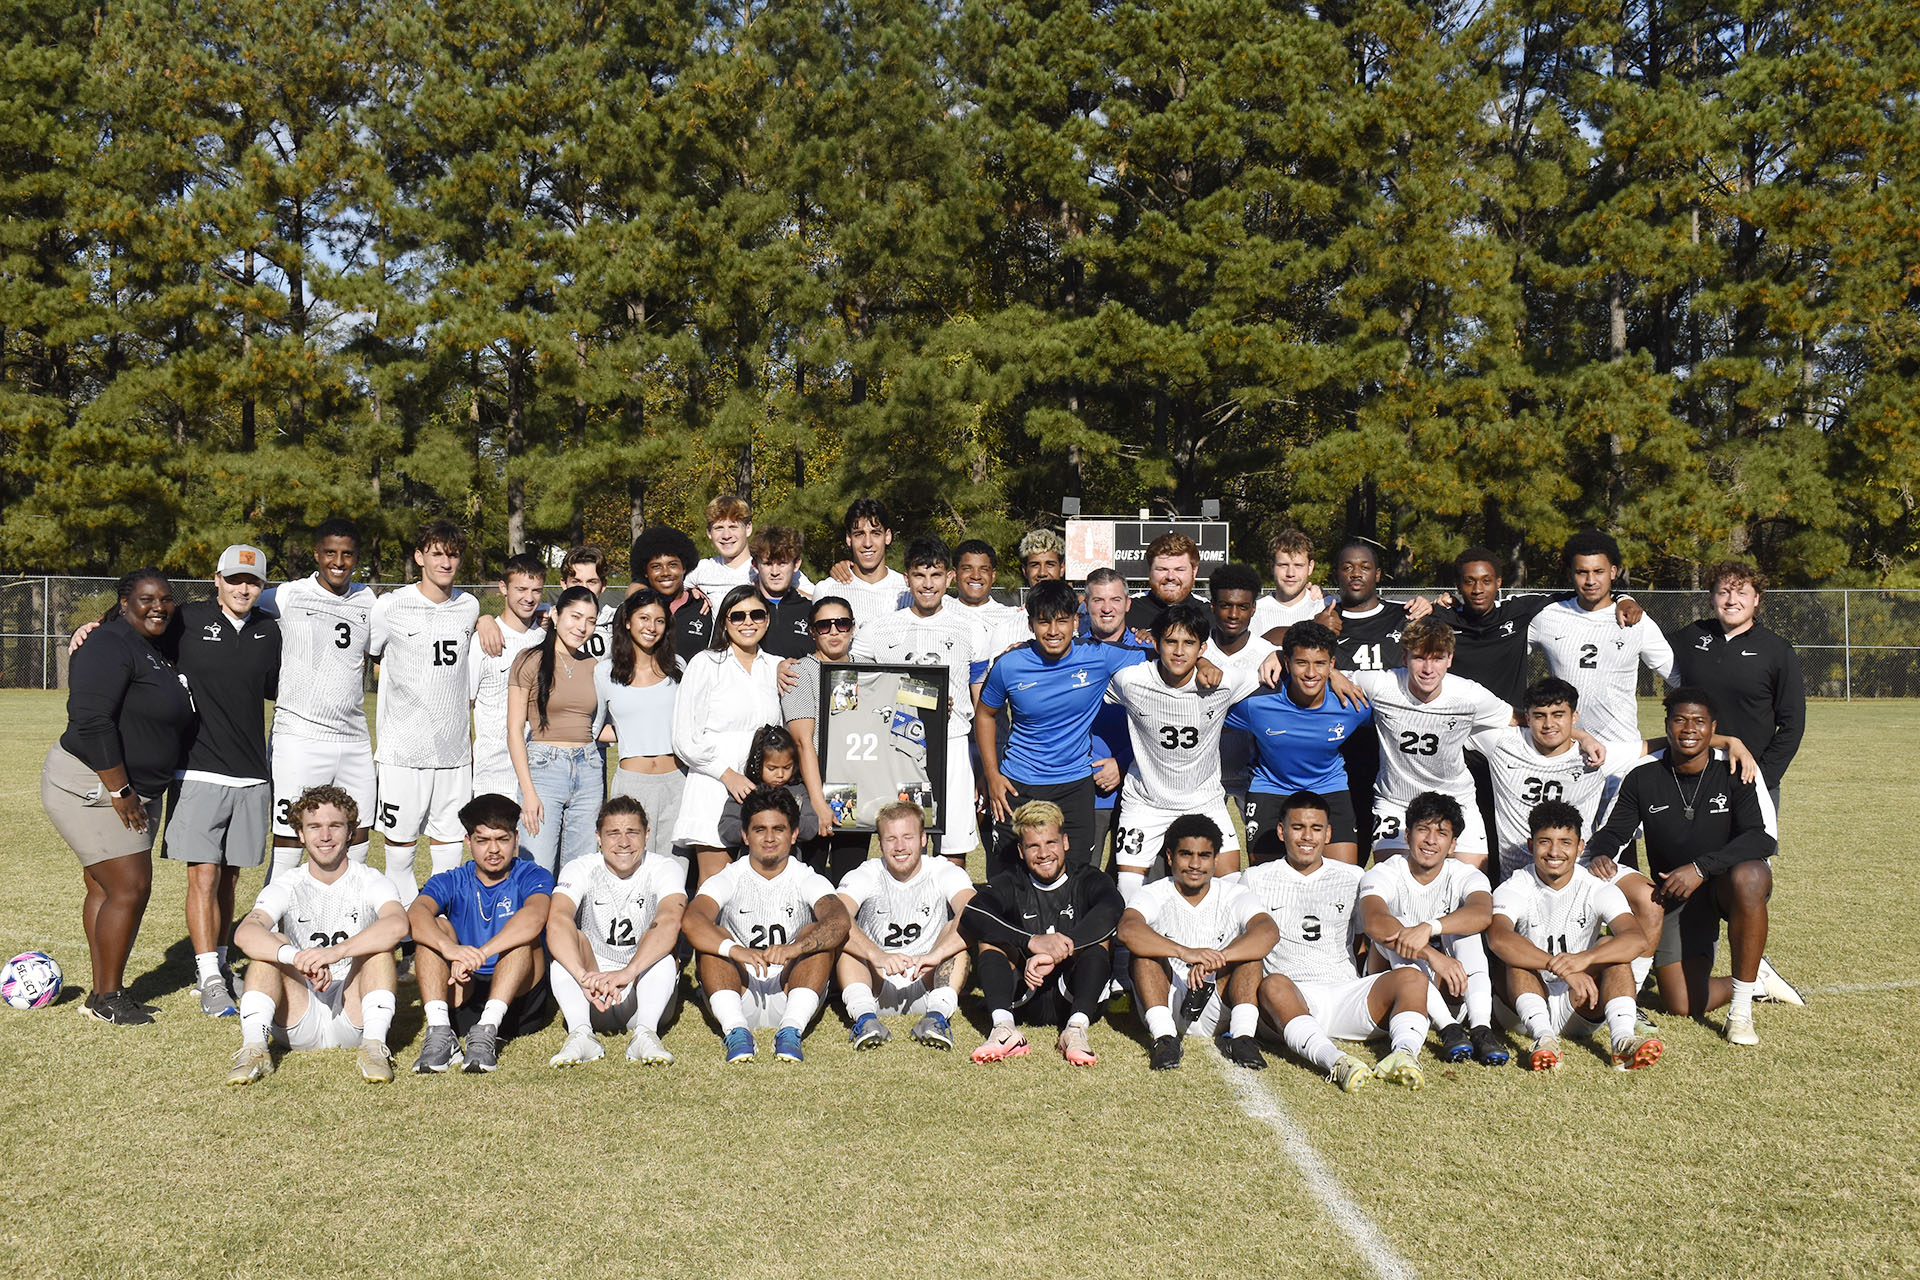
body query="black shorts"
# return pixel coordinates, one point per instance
(1076, 806)
(1263, 824)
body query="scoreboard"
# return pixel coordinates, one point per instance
(1104, 540)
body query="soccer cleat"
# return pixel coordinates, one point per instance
(1399, 1068)
(646, 1049)
(1195, 1003)
(581, 1046)
(438, 1052)
(1645, 1027)
(1740, 1029)
(116, 1008)
(1244, 1051)
(934, 1031)
(1636, 1052)
(1004, 1041)
(215, 1000)
(1456, 1045)
(1073, 1045)
(1544, 1055)
(375, 1061)
(1776, 988)
(786, 1045)
(1489, 1047)
(483, 1049)
(869, 1032)
(253, 1062)
(1351, 1074)
(1165, 1054)
(739, 1045)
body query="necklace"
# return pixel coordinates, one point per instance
(1686, 805)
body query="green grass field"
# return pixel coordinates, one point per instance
(126, 1155)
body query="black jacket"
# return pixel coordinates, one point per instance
(1728, 826)
(233, 674)
(1010, 909)
(127, 705)
(1491, 648)
(1754, 681)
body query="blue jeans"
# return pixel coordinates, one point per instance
(571, 782)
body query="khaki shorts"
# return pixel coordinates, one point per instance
(83, 813)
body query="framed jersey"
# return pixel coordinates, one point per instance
(882, 737)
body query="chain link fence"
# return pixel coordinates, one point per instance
(1853, 642)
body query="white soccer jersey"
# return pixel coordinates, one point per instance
(600, 643)
(487, 687)
(713, 576)
(1004, 625)
(1522, 778)
(1423, 744)
(1316, 914)
(758, 912)
(1409, 901)
(1175, 733)
(312, 914)
(870, 601)
(1559, 921)
(612, 912)
(951, 638)
(904, 916)
(323, 659)
(1597, 656)
(1246, 662)
(1269, 613)
(423, 649)
(1212, 923)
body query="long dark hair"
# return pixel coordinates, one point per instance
(625, 651)
(769, 737)
(543, 686)
(123, 590)
(745, 591)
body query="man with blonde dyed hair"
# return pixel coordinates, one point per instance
(1054, 920)
(1043, 556)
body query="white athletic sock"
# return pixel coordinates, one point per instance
(1244, 1020)
(1437, 1011)
(1620, 1016)
(1160, 1021)
(1741, 1005)
(1408, 1031)
(575, 1008)
(1532, 1012)
(376, 1013)
(944, 1001)
(1130, 883)
(493, 1014)
(287, 857)
(1471, 952)
(801, 1006)
(727, 1010)
(206, 964)
(1304, 1037)
(444, 857)
(436, 1011)
(1079, 1020)
(1642, 966)
(400, 872)
(1003, 1017)
(256, 1015)
(858, 998)
(653, 992)
(356, 852)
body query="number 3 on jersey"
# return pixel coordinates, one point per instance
(1175, 737)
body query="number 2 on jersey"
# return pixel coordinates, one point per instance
(1589, 656)
(861, 746)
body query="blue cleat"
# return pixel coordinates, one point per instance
(868, 1032)
(786, 1046)
(934, 1031)
(739, 1045)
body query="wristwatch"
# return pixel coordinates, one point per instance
(123, 792)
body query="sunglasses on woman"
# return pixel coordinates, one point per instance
(823, 625)
(747, 615)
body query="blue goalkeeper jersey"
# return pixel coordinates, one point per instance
(1296, 748)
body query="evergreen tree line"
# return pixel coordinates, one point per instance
(1430, 273)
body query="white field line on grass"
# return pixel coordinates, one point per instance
(1259, 1104)
(1857, 988)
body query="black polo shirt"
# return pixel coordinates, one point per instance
(233, 673)
(1755, 683)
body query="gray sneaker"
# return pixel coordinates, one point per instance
(483, 1048)
(215, 1000)
(439, 1051)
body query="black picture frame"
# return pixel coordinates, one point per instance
(862, 767)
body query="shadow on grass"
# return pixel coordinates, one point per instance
(175, 972)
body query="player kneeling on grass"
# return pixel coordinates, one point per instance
(321, 938)
(481, 966)
(767, 928)
(1197, 944)
(1054, 920)
(1564, 973)
(1426, 909)
(1312, 992)
(612, 930)
(905, 941)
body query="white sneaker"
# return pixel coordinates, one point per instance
(1776, 988)
(1740, 1029)
(581, 1046)
(645, 1047)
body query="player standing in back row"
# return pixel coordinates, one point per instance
(319, 714)
(421, 636)
(1587, 647)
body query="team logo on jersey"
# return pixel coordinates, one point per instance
(1582, 921)
(1718, 803)
(1506, 628)
(211, 632)
(1080, 678)
(1335, 732)
(926, 910)
(1619, 644)
(1706, 643)
(1394, 636)
(789, 909)
(1066, 912)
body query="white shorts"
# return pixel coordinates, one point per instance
(1390, 827)
(323, 1026)
(1143, 829)
(299, 763)
(1341, 1007)
(416, 802)
(764, 1002)
(962, 835)
(1208, 1023)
